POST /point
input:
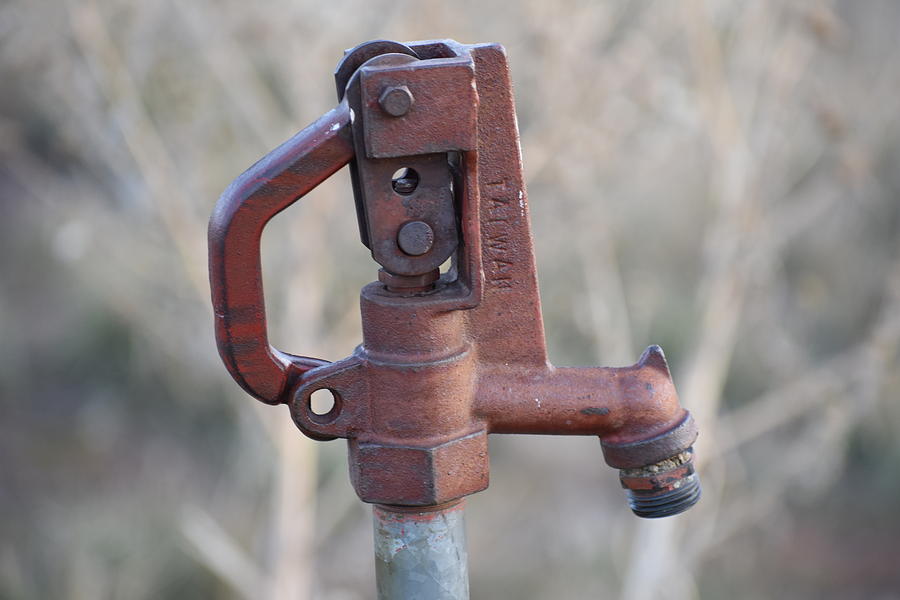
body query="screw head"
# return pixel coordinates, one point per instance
(396, 100)
(415, 238)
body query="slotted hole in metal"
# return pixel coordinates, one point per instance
(405, 181)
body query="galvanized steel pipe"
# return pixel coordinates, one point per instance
(421, 553)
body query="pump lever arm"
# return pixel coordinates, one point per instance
(275, 182)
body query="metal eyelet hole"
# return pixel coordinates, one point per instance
(405, 181)
(324, 406)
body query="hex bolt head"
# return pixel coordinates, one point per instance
(415, 238)
(396, 100)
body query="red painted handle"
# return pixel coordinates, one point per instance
(235, 273)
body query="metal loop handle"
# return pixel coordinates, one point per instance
(275, 182)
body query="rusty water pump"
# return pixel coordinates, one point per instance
(429, 131)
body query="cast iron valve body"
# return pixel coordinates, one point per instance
(429, 132)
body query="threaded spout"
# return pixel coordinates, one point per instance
(662, 489)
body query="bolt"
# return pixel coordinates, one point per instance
(409, 284)
(396, 101)
(415, 238)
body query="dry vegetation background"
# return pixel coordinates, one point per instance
(722, 178)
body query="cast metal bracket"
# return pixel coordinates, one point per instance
(430, 134)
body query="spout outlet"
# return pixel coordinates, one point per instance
(663, 489)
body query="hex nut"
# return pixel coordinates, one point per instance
(396, 100)
(417, 476)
